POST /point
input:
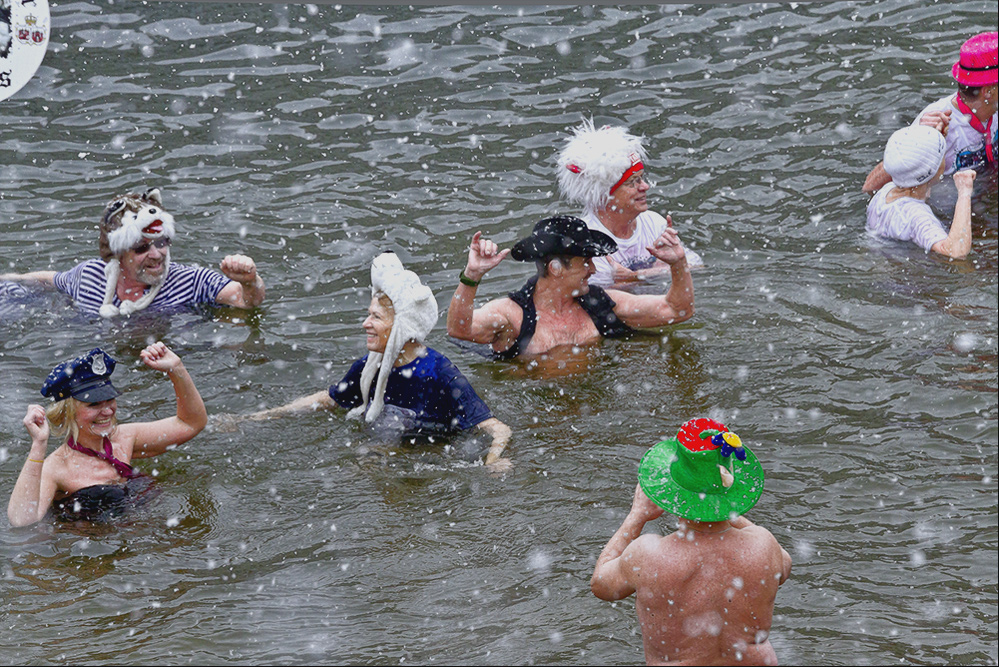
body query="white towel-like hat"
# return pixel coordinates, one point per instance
(415, 310)
(593, 161)
(913, 155)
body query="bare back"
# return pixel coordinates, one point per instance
(708, 598)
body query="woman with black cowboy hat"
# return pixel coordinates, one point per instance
(90, 473)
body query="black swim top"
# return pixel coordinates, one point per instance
(102, 502)
(597, 304)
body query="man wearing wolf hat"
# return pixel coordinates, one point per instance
(705, 594)
(135, 272)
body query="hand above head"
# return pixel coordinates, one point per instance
(644, 508)
(938, 120)
(37, 425)
(159, 357)
(240, 268)
(483, 256)
(964, 180)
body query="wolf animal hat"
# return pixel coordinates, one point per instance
(594, 163)
(415, 311)
(128, 220)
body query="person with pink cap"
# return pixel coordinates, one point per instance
(914, 157)
(966, 119)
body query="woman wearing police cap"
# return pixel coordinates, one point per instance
(90, 473)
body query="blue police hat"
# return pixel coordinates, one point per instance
(86, 378)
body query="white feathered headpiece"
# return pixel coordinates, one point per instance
(594, 161)
(415, 311)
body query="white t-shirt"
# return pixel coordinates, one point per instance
(905, 219)
(631, 252)
(965, 144)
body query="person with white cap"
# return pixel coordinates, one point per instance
(90, 476)
(135, 272)
(557, 306)
(967, 118)
(603, 170)
(416, 388)
(704, 594)
(914, 156)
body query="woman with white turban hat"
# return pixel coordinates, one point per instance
(416, 388)
(914, 158)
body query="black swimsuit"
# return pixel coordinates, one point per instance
(597, 304)
(101, 502)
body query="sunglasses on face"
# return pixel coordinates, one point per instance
(144, 247)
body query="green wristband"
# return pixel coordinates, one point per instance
(465, 280)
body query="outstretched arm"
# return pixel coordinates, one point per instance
(153, 438)
(247, 288)
(615, 573)
(489, 323)
(44, 277)
(500, 433)
(34, 490)
(320, 399)
(957, 245)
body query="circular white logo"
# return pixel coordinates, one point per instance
(24, 37)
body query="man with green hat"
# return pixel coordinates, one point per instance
(705, 594)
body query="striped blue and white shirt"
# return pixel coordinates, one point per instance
(184, 286)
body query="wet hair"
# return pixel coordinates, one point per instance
(62, 417)
(969, 92)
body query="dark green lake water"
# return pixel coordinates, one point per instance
(863, 373)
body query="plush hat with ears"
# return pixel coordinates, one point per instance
(128, 220)
(415, 311)
(595, 162)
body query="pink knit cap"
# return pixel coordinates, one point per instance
(977, 66)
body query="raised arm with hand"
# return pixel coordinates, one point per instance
(247, 289)
(153, 438)
(878, 178)
(645, 311)
(32, 495)
(957, 245)
(486, 324)
(615, 572)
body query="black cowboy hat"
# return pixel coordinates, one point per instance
(562, 235)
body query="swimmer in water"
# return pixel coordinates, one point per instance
(417, 388)
(704, 594)
(91, 469)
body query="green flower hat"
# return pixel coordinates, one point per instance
(705, 473)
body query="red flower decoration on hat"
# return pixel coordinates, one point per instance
(573, 168)
(690, 434)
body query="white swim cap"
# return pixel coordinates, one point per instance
(913, 155)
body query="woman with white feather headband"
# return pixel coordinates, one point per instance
(416, 388)
(603, 170)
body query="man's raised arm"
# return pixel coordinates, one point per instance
(487, 324)
(615, 573)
